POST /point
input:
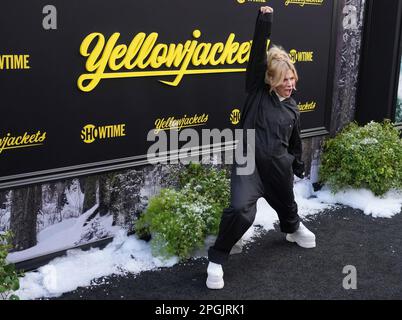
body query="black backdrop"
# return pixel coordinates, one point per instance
(46, 97)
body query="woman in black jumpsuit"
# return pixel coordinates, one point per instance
(276, 119)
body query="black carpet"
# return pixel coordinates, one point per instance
(271, 268)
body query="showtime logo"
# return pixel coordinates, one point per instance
(90, 132)
(301, 56)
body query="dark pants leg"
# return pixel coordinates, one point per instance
(239, 216)
(277, 179)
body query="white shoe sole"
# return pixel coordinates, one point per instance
(215, 284)
(303, 244)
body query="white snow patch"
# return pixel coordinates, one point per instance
(78, 268)
(365, 200)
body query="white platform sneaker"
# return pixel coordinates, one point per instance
(303, 237)
(215, 276)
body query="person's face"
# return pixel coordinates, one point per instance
(288, 83)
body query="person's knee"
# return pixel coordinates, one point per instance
(246, 216)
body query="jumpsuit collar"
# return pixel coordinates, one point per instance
(280, 97)
(277, 98)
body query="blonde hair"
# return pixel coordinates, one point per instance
(278, 64)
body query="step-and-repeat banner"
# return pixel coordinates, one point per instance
(82, 82)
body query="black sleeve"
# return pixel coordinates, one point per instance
(295, 148)
(257, 64)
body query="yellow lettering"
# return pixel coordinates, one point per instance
(102, 132)
(25, 138)
(201, 58)
(19, 61)
(95, 61)
(26, 57)
(11, 141)
(133, 49)
(117, 53)
(37, 136)
(116, 131)
(146, 49)
(216, 48)
(157, 59)
(9, 62)
(91, 64)
(227, 51)
(2, 59)
(14, 61)
(243, 55)
(43, 137)
(184, 65)
(233, 49)
(144, 52)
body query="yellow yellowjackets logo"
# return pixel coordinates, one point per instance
(303, 3)
(235, 116)
(10, 141)
(128, 61)
(171, 123)
(307, 106)
(91, 132)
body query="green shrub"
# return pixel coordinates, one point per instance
(176, 224)
(9, 277)
(212, 184)
(179, 220)
(363, 157)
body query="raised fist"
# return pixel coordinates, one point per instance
(266, 9)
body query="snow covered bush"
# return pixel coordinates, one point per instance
(211, 183)
(179, 220)
(9, 280)
(176, 224)
(364, 157)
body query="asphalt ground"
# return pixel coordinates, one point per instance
(271, 268)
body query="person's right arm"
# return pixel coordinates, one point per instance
(257, 65)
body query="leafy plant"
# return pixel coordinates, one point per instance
(179, 220)
(9, 277)
(176, 225)
(364, 157)
(211, 183)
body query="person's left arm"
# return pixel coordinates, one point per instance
(295, 148)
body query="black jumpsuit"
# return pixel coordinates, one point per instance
(278, 152)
